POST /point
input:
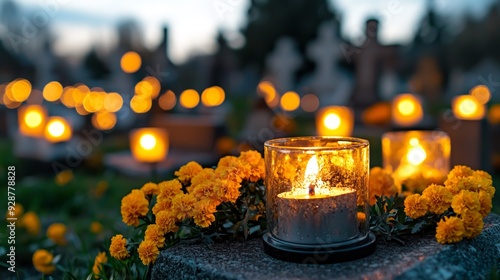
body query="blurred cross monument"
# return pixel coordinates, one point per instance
(282, 64)
(328, 82)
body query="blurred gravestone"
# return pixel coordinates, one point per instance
(282, 64)
(328, 82)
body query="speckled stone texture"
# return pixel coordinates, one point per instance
(420, 258)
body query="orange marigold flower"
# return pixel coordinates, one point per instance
(168, 190)
(460, 171)
(42, 261)
(118, 249)
(439, 198)
(203, 213)
(227, 190)
(31, 222)
(416, 206)
(207, 174)
(450, 230)
(232, 168)
(473, 223)
(483, 174)
(57, 233)
(183, 205)
(381, 183)
(134, 205)
(150, 188)
(188, 171)
(465, 200)
(258, 168)
(148, 252)
(155, 233)
(166, 221)
(486, 203)
(98, 268)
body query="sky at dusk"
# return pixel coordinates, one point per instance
(193, 24)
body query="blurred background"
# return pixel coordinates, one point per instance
(222, 76)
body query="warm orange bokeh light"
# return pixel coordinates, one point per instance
(290, 101)
(140, 104)
(155, 86)
(113, 102)
(52, 91)
(104, 120)
(189, 98)
(406, 110)
(94, 101)
(21, 90)
(494, 114)
(268, 92)
(167, 100)
(481, 93)
(130, 62)
(213, 96)
(32, 119)
(149, 144)
(335, 121)
(57, 130)
(309, 103)
(467, 107)
(67, 97)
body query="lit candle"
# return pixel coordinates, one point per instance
(57, 130)
(406, 110)
(149, 144)
(32, 120)
(468, 107)
(317, 214)
(417, 155)
(335, 121)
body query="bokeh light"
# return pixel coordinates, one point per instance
(94, 101)
(167, 100)
(104, 120)
(290, 101)
(140, 104)
(266, 90)
(467, 107)
(213, 96)
(52, 91)
(189, 98)
(309, 103)
(32, 119)
(481, 93)
(57, 130)
(113, 102)
(21, 90)
(407, 110)
(155, 86)
(130, 62)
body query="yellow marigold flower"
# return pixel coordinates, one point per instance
(56, 232)
(117, 248)
(17, 211)
(188, 171)
(232, 168)
(207, 174)
(155, 233)
(439, 198)
(134, 205)
(98, 268)
(227, 190)
(489, 190)
(150, 188)
(148, 252)
(465, 200)
(485, 202)
(473, 223)
(166, 221)
(205, 190)
(460, 171)
(31, 222)
(183, 205)
(96, 227)
(42, 261)
(416, 206)
(203, 213)
(483, 174)
(381, 183)
(168, 190)
(258, 168)
(450, 230)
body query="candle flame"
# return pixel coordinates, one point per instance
(416, 155)
(311, 173)
(148, 141)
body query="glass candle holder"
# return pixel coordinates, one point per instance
(317, 199)
(416, 159)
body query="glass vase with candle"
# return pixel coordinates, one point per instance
(416, 159)
(317, 199)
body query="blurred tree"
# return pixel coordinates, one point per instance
(269, 20)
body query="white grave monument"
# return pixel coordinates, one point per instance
(282, 64)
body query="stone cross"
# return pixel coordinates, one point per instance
(282, 64)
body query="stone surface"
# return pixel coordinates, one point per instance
(420, 258)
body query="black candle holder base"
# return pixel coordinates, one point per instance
(319, 254)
